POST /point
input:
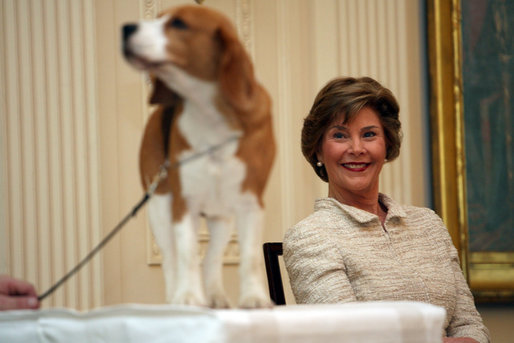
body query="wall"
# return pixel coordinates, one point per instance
(49, 152)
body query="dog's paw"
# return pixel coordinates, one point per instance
(189, 298)
(255, 301)
(219, 301)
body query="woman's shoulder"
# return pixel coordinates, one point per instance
(314, 222)
(428, 221)
(312, 237)
(322, 221)
(418, 211)
(403, 210)
(423, 218)
(421, 214)
(406, 211)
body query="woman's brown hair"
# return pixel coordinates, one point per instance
(348, 95)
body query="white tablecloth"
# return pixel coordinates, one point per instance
(354, 322)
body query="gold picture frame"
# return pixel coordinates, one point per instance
(490, 274)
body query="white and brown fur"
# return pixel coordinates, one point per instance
(204, 79)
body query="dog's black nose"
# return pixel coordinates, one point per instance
(128, 30)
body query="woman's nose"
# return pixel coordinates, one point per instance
(357, 147)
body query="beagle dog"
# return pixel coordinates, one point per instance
(213, 120)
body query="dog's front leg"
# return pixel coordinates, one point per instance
(160, 221)
(189, 289)
(250, 220)
(220, 229)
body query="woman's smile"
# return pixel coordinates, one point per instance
(356, 167)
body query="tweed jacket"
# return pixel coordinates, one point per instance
(341, 253)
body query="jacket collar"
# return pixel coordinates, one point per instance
(394, 210)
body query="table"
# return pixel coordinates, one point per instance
(130, 323)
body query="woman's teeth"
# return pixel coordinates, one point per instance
(355, 165)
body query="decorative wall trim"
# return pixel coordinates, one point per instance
(150, 9)
(231, 252)
(244, 24)
(284, 104)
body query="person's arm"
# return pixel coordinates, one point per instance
(459, 340)
(17, 294)
(466, 322)
(316, 270)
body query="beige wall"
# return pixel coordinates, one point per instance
(49, 146)
(72, 114)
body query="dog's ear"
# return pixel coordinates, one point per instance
(237, 80)
(162, 94)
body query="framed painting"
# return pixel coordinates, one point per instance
(471, 67)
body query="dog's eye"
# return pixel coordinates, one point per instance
(178, 23)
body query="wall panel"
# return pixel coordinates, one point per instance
(50, 159)
(373, 41)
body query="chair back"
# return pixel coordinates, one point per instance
(272, 251)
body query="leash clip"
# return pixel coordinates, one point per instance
(161, 175)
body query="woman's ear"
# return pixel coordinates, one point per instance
(162, 94)
(319, 156)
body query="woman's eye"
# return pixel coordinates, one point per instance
(338, 135)
(178, 23)
(369, 134)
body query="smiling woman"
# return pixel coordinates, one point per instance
(359, 244)
(353, 155)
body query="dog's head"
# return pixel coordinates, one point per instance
(191, 43)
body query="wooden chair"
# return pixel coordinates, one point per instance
(276, 289)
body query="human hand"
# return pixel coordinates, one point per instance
(17, 294)
(458, 340)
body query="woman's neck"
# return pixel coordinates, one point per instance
(366, 201)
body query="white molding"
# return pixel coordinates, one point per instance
(231, 256)
(245, 24)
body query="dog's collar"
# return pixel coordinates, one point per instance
(166, 121)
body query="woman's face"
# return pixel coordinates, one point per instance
(353, 154)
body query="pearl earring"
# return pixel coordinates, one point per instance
(319, 164)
